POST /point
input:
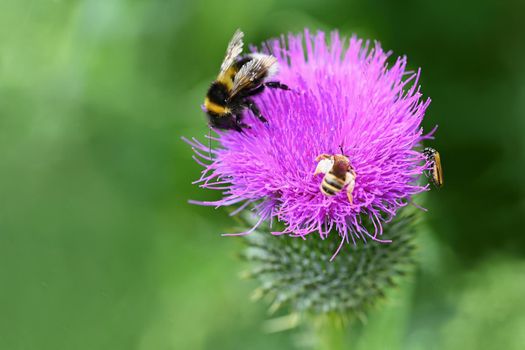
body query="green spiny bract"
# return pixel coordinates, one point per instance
(298, 273)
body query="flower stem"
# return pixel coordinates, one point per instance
(333, 335)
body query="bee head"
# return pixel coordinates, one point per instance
(341, 165)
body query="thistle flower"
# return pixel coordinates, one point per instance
(344, 99)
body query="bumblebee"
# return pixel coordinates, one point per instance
(436, 176)
(338, 174)
(240, 77)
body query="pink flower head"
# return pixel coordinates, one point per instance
(343, 96)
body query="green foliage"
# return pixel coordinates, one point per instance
(490, 313)
(298, 273)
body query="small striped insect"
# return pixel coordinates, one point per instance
(338, 174)
(434, 159)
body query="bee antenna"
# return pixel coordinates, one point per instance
(341, 148)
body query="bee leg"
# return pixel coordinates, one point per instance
(350, 185)
(239, 125)
(260, 88)
(253, 92)
(350, 196)
(322, 156)
(255, 110)
(242, 126)
(276, 85)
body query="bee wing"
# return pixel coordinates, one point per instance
(252, 71)
(234, 49)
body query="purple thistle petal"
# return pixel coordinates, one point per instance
(343, 94)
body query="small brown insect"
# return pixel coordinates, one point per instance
(437, 171)
(338, 174)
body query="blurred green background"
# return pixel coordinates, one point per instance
(98, 246)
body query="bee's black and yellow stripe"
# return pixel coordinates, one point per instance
(218, 93)
(215, 101)
(331, 184)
